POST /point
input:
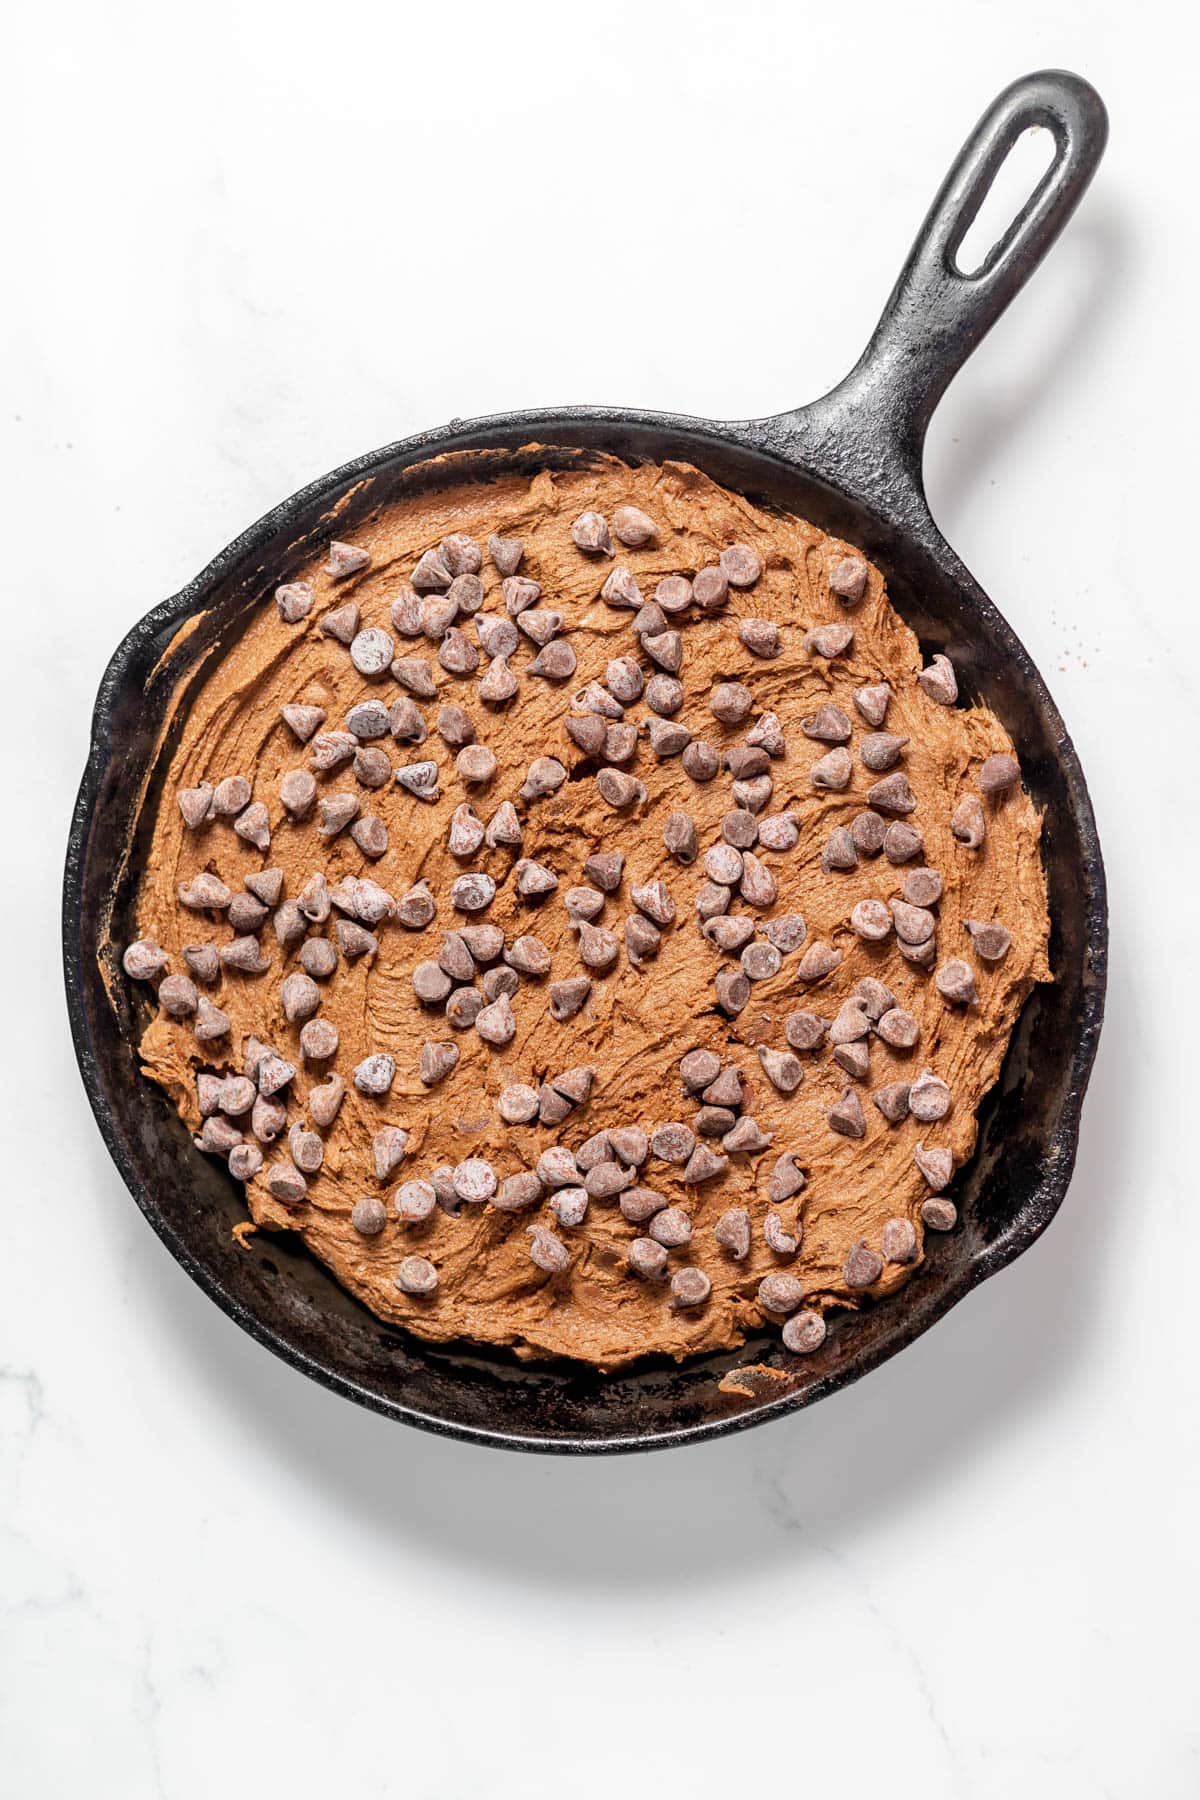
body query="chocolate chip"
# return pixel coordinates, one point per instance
(829, 640)
(990, 940)
(245, 954)
(438, 613)
(497, 637)
(268, 1118)
(761, 961)
(832, 773)
(647, 1259)
(475, 1181)
(893, 794)
(880, 750)
(306, 1149)
(545, 775)
(339, 810)
(863, 1267)
(372, 651)
(583, 903)
(803, 1333)
(704, 1164)
(955, 981)
(673, 595)
(732, 1232)
(431, 984)
(604, 1179)
(746, 1137)
(871, 920)
(873, 702)
(667, 737)
(804, 1030)
(753, 794)
(780, 1293)
(967, 822)
(711, 899)
(405, 612)
(465, 1005)
(556, 1167)
(374, 1074)
(557, 662)
(516, 1192)
(679, 837)
(620, 742)
(211, 1023)
(299, 996)
(540, 624)
(937, 1166)
(892, 1101)
(839, 852)
(519, 594)
(846, 1117)
(745, 760)
(664, 695)
(499, 684)
(760, 636)
(787, 1180)
(929, 1098)
(848, 579)
(506, 553)
(666, 649)
(318, 1040)
(230, 797)
(829, 725)
(673, 1142)
(672, 1228)
(779, 831)
(569, 1206)
(914, 924)
(642, 940)
(818, 961)
(939, 1215)
(701, 761)
(778, 1239)
(741, 565)
(758, 886)
(591, 535)
(341, 624)
(457, 654)
(998, 774)
(302, 721)
(730, 702)
(923, 887)
(689, 1287)
(634, 527)
(939, 682)
(287, 1184)
(145, 959)
(851, 1024)
(898, 1028)
(698, 1068)
(924, 955)
(294, 600)
(496, 1024)
(710, 588)
(855, 1059)
(619, 789)
(417, 1276)
(621, 589)
(639, 1204)
(324, 1101)
(898, 1241)
(195, 804)
(472, 893)
(630, 1144)
(177, 995)
(782, 1069)
(653, 898)
(254, 826)
(245, 1160)
(868, 831)
(466, 591)
(372, 768)
(729, 932)
(371, 836)
(368, 1216)
(902, 841)
(528, 955)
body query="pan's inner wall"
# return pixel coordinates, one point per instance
(275, 1289)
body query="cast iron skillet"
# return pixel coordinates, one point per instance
(852, 463)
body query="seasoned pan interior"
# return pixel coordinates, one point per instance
(276, 1290)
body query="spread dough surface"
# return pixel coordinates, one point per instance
(639, 1021)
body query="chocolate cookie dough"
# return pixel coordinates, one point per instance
(577, 912)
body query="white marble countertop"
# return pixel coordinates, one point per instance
(249, 243)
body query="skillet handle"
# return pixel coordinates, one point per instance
(874, 422)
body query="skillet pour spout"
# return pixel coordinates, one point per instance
(852, 463)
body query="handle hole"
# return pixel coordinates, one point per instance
(1012, 187)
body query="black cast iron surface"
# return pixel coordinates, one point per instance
(851, 462)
